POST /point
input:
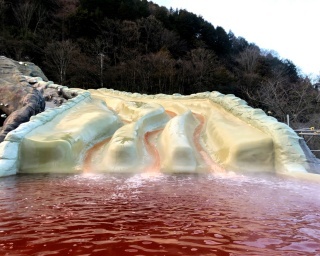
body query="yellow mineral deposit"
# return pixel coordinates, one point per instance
(110, 131)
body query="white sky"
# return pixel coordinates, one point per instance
(289, 27)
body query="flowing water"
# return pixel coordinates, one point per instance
(156, 214)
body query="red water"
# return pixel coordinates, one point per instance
(158, 215)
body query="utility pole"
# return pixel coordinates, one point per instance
(101, 69)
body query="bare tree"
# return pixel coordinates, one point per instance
(248, 58)
(67, 7)
(41, 14)
(59, 55)
(204, 62)
(23, 13)
(156, 71)
(128, 40)
(109, 30)
(99, 50)
(3, 7)
(282, 98)
(151, 29)
(129, 33)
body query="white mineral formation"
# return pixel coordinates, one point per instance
(111, 131)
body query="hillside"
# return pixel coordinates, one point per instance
(138, 46)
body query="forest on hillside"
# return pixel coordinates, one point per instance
(138, 46)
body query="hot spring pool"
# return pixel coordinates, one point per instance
(157, 214)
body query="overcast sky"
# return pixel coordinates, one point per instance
(289, 27)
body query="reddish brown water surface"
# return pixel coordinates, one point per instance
(158, 214)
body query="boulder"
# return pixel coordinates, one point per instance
(29, 69)
(18, 99)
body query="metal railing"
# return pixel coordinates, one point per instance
(312, 131)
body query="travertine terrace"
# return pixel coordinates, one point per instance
(111, 131)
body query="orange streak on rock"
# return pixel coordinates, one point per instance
(171, 113)
(87, 163)
(153, 151)
(205, 156)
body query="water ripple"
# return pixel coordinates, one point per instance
(157, 214)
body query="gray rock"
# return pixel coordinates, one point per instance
(18, 100)
(30, 69)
